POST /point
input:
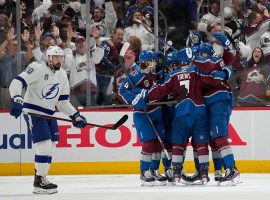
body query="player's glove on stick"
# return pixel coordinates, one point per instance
(80, 120)
(16, 106)
(140, 101)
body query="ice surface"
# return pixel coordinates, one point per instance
(127, 187)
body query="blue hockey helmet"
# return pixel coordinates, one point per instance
(206, 48)
(185, 56)
(147, 55)
(172, 58)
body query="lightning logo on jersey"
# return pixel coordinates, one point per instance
(50, 91)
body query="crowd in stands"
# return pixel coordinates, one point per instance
(112, 22)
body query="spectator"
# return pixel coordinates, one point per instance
(106, 68)
(257, 25)
(8, 63)
(80, 79)
(136, 29)
(135, 45)
(212, 17)
(104, 19)
(254, 81)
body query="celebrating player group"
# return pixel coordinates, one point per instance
(196, 79)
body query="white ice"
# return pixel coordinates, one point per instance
(127, 187)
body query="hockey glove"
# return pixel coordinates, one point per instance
(16, 106)
(224, 41)
(80, 120)
(140, 101)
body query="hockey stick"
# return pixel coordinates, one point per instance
(114, 127)
(122, 53)
(159, 38)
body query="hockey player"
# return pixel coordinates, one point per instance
(219, 103)
(145, 77)
(47, 88)
(190, 118)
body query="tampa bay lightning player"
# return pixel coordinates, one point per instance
(47, 88)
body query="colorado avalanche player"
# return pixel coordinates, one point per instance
(219, 102)
(145, 77)
(47, 87)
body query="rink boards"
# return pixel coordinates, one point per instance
(99, 151)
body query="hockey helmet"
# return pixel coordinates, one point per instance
(147, 55)
(185, 56)
(206, 48)
(172, 58)
(54, 51)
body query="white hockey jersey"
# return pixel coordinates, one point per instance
(45, 90)
(147, 39)
(80, 72)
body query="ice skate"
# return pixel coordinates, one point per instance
(199, 178)
(147, 179)
(231, 177)
(169, 175)
(218, 175)
(43, 186)
(177, 171)
(159, 179)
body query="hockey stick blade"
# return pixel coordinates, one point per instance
(114, 127)
(120, 122)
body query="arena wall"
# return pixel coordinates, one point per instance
(99, 151)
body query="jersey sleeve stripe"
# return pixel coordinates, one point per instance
(63, 97)
(22, 80)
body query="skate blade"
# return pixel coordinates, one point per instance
(160, 183)
(43, 191)
(148, 184)
(235, 181)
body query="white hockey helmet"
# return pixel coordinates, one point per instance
(54, 51)
(228, 13)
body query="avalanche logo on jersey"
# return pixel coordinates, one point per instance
(50, 91)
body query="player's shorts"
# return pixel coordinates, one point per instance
(42, 129)
(190, 125)
(219, 116)
(144, 128)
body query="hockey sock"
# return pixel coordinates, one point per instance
(41, 164)
(166, 163)
(225, 151)
(145, 161)
(156, 157)
(178, 152)
(227, 157)
(196, 160)
(216, 159)
(42, 157)
(50, 157)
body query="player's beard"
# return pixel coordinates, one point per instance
(57, 66)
